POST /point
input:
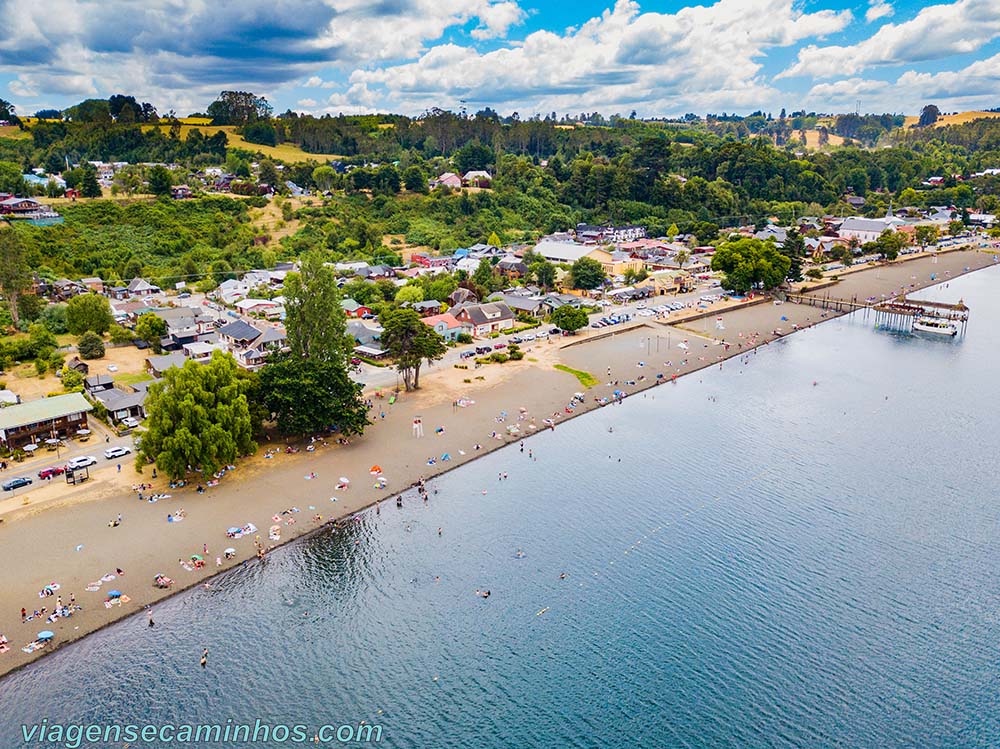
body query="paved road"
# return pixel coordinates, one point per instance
(388, 377)
(44, 458)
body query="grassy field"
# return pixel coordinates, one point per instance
(9, 131)
(812, 139)
(586, 378)
(285, 152)
(959, 118)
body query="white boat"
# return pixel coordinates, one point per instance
(935, 326)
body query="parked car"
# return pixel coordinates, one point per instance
(500, 346)
(184, 295)
(483, 350)
(51, 471)
(467, 354)
(541, 334)
(516, 339)
(81, 461)
(355, 361)
(116, 452)
(595, 325)
(131, 422)
(529, 337)
(556, 331)
(16, 483)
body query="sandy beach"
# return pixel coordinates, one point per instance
(66, 536)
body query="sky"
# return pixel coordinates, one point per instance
(659, 58)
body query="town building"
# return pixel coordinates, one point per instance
(58, 417)
(446, 325)
(491, 317)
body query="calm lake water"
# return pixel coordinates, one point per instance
(752, 560)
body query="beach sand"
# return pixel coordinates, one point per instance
(66, 538)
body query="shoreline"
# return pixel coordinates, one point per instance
(554, 394)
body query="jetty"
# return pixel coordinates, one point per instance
(898, 313)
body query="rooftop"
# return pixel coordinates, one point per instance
(45, 409)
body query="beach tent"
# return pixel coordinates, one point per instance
(196, 557)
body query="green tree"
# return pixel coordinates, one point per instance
(928, 116)
(160, 180)
(268, 173)
(750, 263)
(90, 346)
(120, 334)
(88, 312)
(890, 243)
(672, 232)
(955, 228)
(15, 273)
(494, 240)
(151, 329)
(586, 273)
(415, 180)
(544, 273)
(926, 234)
(484, 275)
(316, 323)
(569, 318)
(794, 248)
(308, 396)
(410, 342)
(323, 177)
(71, 379)
(89, 186)
(53, 317)
(198, 418)
(410, 293)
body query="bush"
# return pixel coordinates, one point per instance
(71, 379)
(90, 346)
(41, 366)
(814, 273)
(464, 338)
(120, 334)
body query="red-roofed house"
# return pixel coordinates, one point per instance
(446, 325)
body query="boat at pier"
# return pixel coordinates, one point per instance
(935, 326)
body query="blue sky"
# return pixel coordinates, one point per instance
(657, 57)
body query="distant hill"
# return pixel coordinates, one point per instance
(959, 118)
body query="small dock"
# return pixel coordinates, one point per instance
(899, 313)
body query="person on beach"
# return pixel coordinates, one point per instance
(24, 611)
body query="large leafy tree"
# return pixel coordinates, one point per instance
(569, 318)
(199, 418)
(238, 108)
(88, 312)
(151, 329)
(311, 395)
(410, 342)
(14, 271)
(307, 389)
(587, 273)
(750, 263)
(90, 346)
(315, 320)
(159, 180)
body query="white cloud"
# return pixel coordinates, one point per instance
(936, 31)
(973, 87)
(697, 58)
(181, 53)
(307, 103)
(878, 9)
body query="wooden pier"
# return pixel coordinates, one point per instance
(898, 313)
(894, 313)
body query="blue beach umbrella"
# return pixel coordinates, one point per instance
(233, 530)
(114, 594)
(45, 635)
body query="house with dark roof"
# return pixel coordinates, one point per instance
(364, 333)
(462, 295)
(97, 383)
(526, 305)
(122, 403)
(491, 317)
(427, 307)
(157, 365)
(512, 267)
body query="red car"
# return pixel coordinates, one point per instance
(46, 473)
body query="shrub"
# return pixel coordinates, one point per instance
(90, 346)
(120, 334)
(71, 379)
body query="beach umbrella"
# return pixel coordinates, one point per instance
(114, 594)
(374, 470)
(52, 441)
(234, 530)
(197, 557)
(30, 448)
(230, 550)
(45, 635)
(83, 432)
(344, 480)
